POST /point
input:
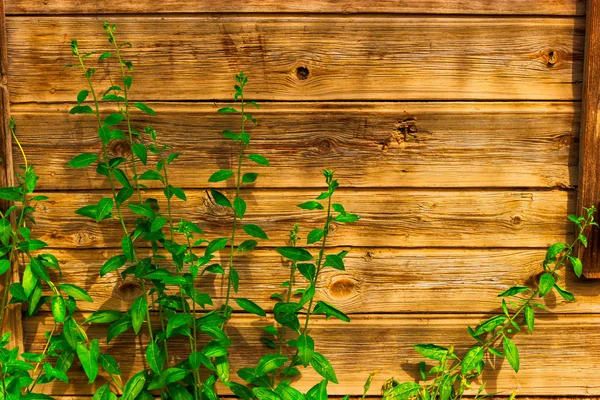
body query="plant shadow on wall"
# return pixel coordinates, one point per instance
(184, 334)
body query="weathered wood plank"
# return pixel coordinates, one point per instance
(384, 343)
(12, 316)
(390, 218)
(375, 280)
(589, 166)
(313, 58)
(504, 7)
(452, 145)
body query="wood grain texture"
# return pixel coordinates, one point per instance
(358, 58)
(384, 343)
(375, 280)
(390, 218)
(589, 166)
(519, 7)
(452, 145)
(12, 317)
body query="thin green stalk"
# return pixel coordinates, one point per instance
(235, 216)
(111, 179)
(39, 363)
(126, 102)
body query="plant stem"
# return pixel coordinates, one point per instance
(235, 216)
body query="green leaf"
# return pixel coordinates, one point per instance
(265, 394)
(177, 321)
(330, 311)
(10, 194)
(155, 357)
(141, 152)
(226, 110)
(220, 198)
(112, 264)
(216, 245)
(295, 253)
(128, 249)
(306, 349)
(143, 210)
(81, 96)
(104, 316)
(577, 265)
(431, 351)
(347, 218)
(564, 293)
(221, 175)
(138, 312)
(490, 325)
(39, 269)
(511, 352)
(403, 391)
(32, 245)
(81, 110)
(109, 364)
(315, 235)
(334, 261)
(258, 159)
(83, 160)
(134, 386)
(151, 175)
(255, 231)
(529, 317)
(249, 177)
(239, 205)
(583, 239)
(4, 266)
(251, 307)
(270, 363)
(105, 206)
(75, 292)
(167, 377)
(113, 119)
(118, 327)
(322, 366)
(514, 291)
(554, 250)
(214, 349)
(144, 108)
(546, 283)
(157, 224)
(89, 358)
(247, 245)
(473, 357)
(59, 309)
(311, 205)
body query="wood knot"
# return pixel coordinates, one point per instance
(119, 148)
(551, 58)
(83, 238)
(302, 73)
(342, 287)
(369, 255)
(212, 208)
(516, 220)
(405, 131)
(129, 289)
(322, 146)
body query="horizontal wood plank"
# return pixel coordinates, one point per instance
(537, 7)
(384, 343)
(313, 58)
(375, 280)
(369, 144)
(390, 218)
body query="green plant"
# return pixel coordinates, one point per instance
(179, 255)
(20, 376)
(452, 376)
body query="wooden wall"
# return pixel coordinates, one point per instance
(452, 215)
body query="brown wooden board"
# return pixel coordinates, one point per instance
(503, 7)
(390, 218)
(12, 316)
(375, 280)
(559, 359)
(589, 166)
(309, 58)
(367, 144)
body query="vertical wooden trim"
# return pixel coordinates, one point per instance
(12, 319)
(589, 147)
